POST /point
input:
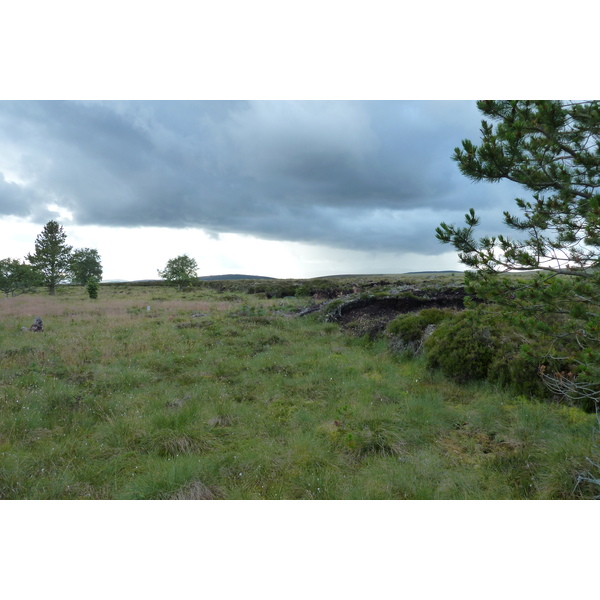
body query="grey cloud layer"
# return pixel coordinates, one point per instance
(361, 175)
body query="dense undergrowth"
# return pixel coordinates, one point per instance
(146, 393)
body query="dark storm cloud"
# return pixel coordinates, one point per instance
(13, 198)
(361, 175)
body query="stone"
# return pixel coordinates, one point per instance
(177, 403)
(37, 325)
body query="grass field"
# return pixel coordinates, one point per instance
(227, 395)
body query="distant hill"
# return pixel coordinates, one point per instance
(256, 277)
(427, 272)
(206, 278)
(224, 277)
(347, 276)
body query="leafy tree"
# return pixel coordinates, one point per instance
(52, 256)
(181, 271)
(85, 265)
(551, 148)
(17, 277)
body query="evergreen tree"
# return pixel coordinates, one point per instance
(85, 265)
(92, 288)
(52, 256)
(551, 148)
(181, 271)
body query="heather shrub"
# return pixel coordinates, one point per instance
(462, 347)
(406, 331)
(480, 345)
(516, 365)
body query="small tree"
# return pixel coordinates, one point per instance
(92, 288)
(85, 265)
(552, 149)
(180, 271)
(52, 256)
(17, 277)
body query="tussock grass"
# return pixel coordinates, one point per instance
(203, 397)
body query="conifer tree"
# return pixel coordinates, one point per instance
(551, 148)
(52, 255)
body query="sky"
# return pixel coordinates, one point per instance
(264, 138)
(279, 188)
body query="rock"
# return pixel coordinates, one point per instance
(37, 325)
(428, 331)
(177, 403)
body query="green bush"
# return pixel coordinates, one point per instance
(92, 288)
(516, 366)
(406, 331)
(463, 347)
(477, 345)
(411, 327)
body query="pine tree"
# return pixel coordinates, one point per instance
(52, 255)
(551, 148)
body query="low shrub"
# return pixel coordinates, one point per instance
(476, 345)
(407, 331)
(463, 347)
(516, 365)
(92, 288)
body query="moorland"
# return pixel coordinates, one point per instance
(265, 389)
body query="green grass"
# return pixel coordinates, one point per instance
(230, 395)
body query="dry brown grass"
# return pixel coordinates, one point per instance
(30, 306)
(196, 491)
(471, 446)
(25, 308)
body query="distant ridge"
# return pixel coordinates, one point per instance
(222, 277)
(233, 276)
(206, 278)
(425, 272)
(383, 274)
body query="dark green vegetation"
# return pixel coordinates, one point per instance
(180, 271)
(241, 390)
(17, 277)
(92, 288)
(552, 149)
(52, 263)
(52, 256)
(85, 265)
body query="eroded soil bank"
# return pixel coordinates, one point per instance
(370, 313)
